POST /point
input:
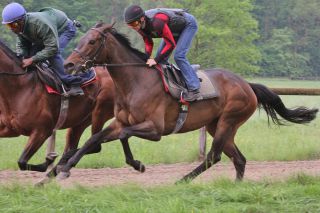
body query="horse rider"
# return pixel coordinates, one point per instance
(43, 36)
(177, 28)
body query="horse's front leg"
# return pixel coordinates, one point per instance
(137, 165)
(146, 130)
(108, 134)
(115, 131)
(34, 143)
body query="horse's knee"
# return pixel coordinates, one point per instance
(22, 165)
(97, 148)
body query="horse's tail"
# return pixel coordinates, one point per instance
(273, 105)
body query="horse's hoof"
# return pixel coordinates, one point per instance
(59, 168)
(142, 168)
(184, 180)
(42, 182)
(139, 166)
(63, 175)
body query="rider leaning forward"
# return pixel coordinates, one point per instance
(177, 28)
(43, 36)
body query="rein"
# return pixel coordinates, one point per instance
(14, 74)
(121, 65)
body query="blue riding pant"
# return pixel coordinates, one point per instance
(56, 61)
(180, 55)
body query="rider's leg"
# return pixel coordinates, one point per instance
(180, 56)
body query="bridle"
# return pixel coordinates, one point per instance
(88, 62)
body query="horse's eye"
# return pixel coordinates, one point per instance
(92, 41)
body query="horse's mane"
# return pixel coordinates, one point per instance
(12, 55)
(123, 39)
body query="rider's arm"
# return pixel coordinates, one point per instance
(170, 44)
(160, 24)
(50, 42)
(148, 43)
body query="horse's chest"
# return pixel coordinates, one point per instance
(125, 117)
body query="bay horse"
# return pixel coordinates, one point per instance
(26, 108)
(144, 109)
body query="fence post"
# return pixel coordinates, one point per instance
(202, 143)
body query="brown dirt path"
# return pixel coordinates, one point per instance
(168, 174)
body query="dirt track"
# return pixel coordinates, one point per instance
(168, 174)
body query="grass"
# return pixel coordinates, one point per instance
(255, 139)
(299, 194)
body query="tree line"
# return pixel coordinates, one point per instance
(251, 37)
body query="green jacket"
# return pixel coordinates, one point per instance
(41, 29)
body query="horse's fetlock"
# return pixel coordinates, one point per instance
(216, 158)
(22, 165)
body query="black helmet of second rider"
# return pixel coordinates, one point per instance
(133, 13)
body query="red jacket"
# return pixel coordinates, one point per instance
(158, 28)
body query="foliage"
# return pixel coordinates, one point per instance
(297, 22)
(226, 34)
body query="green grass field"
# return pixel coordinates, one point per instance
(298, 194)
(256, 140)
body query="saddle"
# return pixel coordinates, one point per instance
(53, 83)
(174, 82)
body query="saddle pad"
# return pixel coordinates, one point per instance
(93, 78)
(207, 88)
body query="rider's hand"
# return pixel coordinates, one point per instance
(27, 62)
(151, 62)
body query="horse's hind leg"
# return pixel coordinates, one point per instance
(232, 151)
(223, 133)
(239, 161)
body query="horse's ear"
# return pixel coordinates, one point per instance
(98, 24)
(109, 26)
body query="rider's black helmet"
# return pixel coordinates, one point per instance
(133, 13)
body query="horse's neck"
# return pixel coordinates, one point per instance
(12, 86)
(129, 77)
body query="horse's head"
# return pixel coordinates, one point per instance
(90, 50)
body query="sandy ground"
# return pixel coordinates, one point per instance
(168, 174)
